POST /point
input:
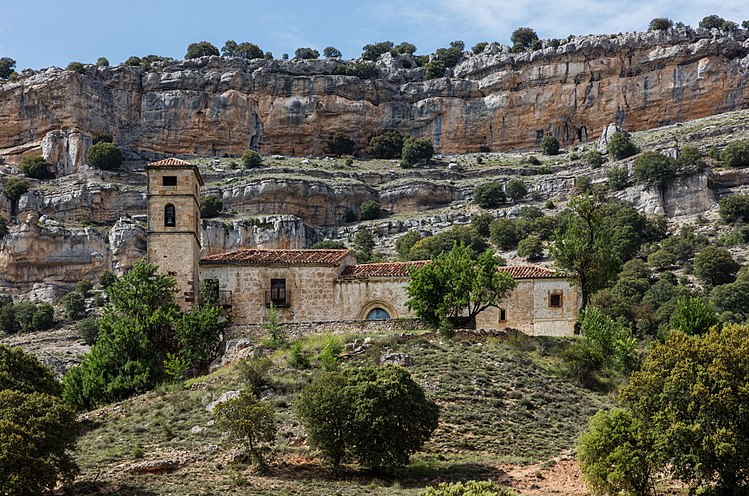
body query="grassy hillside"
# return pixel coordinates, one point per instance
(501, 400)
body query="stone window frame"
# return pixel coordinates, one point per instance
(278, 292)
(371, 305)
(553, 295)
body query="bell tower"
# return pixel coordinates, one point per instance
(173, 223)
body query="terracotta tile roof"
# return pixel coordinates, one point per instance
(529, 272)
(393, 269)
(171, 161)
(253, 256)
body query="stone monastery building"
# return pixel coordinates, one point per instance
(317, 285)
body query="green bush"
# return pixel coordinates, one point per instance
(104, 155)
(76, 67)
(299, 357)
(102, 62)
(620, 146)
(712, 22)
(329, 354)
(489, 195)
(7, 65)
(36, 167)
(431, 247)
(714, 266)
(693, 316)
(44, 317)
(340, 144)
(88, 330)
(373, 51)
(15, 187)
(731, 301)
(332, 53)
(505, 233)
(251, 158)
(252, 423)
(385, 143)
(254, 373)
(618, 455)
(481, 223)
(3, 227)
(654, 169)
(210, 206)
(523, 39)
(515, 189)
(479, 47)
(306, 53)
(690, 160)
(393, 418)
(583, 184)
(74, 305)
(369, 209)
(435, 68)
(362, 70)
(736, 154)
(244, 50)
(416, 150)
(618, 178)
(328, 244)
(531, 248)
(660, 24)
(200, 49)
(469, 488)
(107, 279)
(8, 322)
(734, 208)
(594, 158)
(404, 244)
(550, 145)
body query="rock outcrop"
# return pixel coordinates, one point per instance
(215, 106)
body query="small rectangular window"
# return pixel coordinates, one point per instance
(555, 300)
(169, 180)
(502, 315)
(278, 294)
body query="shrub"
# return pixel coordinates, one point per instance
(712, 22)
(435, 68)
(736, 154)
(210, 206)
(550, 145)
(332, 53)
(618, 178)
(36, 167)
(106, 279)
(7, 65)
(340, 144)
(369, 209)
(404, 244)
(329, 353)
(305, 53)
(505, 233)
(132, 61)
(693, 316)
(431, 247)
(277, 337)
(479, 47)
(104, 155)
(416, 150)
(44, 317)
(102, 62)
(393, 418)
(660, 24)
(470, 488)
(254, 373)
(522, 39)
(8, 322)
(714, 266)
(15, 187)
(328, 244)
(583, 184)
(244, 50)
(731, 301)
(489, 195)
(250, 422)
(531, 248)
(690, 160)
(481, 223)
(405, 47)
(515, 189)
(618, 455)
(385, 143)
(88, 330)
(620, 146)
(734, 208)
(654, 169)
(298, 356)
(74, 305)
(364, 244)
(362, 70)
(251, 158)
(594, 158)
(76, 67)
(373, 51)
(200, 49)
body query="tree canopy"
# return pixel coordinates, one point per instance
(454, 288)
(200, 49)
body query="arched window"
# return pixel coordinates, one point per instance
(170, 216)
(378, 314)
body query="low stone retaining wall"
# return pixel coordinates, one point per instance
(295, 330)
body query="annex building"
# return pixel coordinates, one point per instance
(317, 285)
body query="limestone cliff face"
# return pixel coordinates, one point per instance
(495, 99)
